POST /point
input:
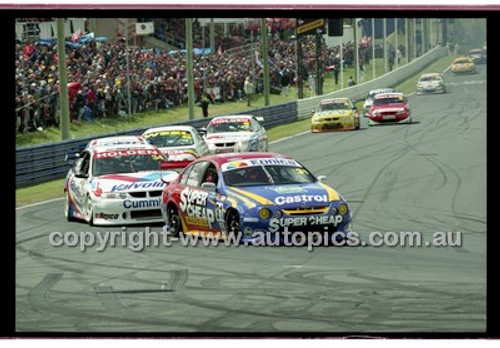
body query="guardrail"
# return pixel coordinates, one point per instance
(41, 163)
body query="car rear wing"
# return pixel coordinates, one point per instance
(260, 119)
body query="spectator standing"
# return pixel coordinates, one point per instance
(336, 73)
(204, 102)
(248, 89)
(285, 81)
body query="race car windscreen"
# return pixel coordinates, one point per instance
(430, 79)
(333, 106)
(392, 100)
(462, 61)
(267, 175)
(229, 125)
(126, 164)
(170, 138)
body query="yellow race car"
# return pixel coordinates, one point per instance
(335, 114)
(463, 65)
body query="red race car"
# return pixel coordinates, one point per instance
(389, 108)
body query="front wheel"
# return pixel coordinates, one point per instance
(67, 208)
(89, 211)
(174, 220)
(233, 222)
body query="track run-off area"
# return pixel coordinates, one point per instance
(428, 176)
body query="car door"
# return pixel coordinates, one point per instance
(78, 182)
(261, 135)
(201, 145)
(193, 200)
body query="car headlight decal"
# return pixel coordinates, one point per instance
(265, 213)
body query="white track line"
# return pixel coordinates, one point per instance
(290, 137)
(40, 203)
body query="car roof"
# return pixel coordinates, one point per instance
(219, 159)
(431, 75)
(381, 90)
(123, 147)
(475, 50)
(98, 142)
(232, 116)
(389, 95)
(169, 128)
(333, 100)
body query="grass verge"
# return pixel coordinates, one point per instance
(53, 189)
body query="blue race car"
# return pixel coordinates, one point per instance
(252, 195)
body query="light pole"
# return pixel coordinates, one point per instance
(265, 57)
(342, 62)
(189, 59)
(396, 41)
(386, 68)
(129, 99)
(63, 79)
(373, 48)
(415, 53)
(407, 48)
(356, 49)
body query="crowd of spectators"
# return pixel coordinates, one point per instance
(158, 80)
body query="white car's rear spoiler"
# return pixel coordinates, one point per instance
(259, 118)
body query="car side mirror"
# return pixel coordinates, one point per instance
(70, 158)
(81, 175)
(209, 186)
(313, 111)
(321, 178)
(202, 131)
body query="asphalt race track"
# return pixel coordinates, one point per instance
(429, 176)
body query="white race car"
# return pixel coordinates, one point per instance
(238, 133)
(371, 96)
(120, 184)
(431, 83)
(177, 143)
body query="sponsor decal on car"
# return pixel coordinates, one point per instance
(106, 216)
(145, 203)
(230, 120)
(275, 224)
(280, 200)
(287, 190)
(182, 134)
(137, 185)
(193, 203)
(259, 162)
(129, 152)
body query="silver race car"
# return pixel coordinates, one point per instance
(238, 133)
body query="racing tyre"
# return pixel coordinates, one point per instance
(89, 211)
(233, 222)
(174, 220)
(67, 214)
(358, 125)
